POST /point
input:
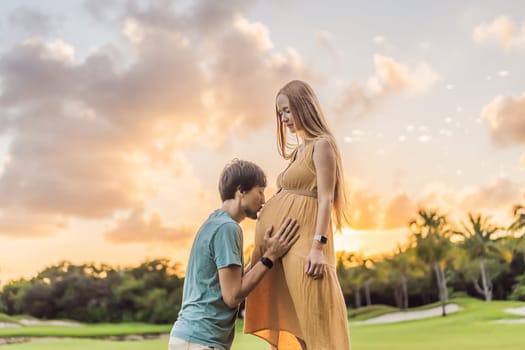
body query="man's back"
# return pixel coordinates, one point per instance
(204, 317)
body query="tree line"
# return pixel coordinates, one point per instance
(475, 258)
(150, 292)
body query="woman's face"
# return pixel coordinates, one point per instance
(284, 112)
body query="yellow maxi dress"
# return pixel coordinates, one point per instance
(287, 304)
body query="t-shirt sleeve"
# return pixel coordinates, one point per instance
(227, 246)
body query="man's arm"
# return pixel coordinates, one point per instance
(234, 286)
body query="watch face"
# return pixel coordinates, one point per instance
(321, 239)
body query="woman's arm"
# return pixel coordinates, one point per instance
(324, 159)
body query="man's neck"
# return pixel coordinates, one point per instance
(232, 207)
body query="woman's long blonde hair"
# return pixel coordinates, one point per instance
(309, 119)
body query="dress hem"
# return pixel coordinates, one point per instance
(275, 330)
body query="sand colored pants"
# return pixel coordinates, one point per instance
(181, 344)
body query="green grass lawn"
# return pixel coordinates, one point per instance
(96, 330)
(88, 344)
(6, 318)
(469, 329)
(472, 328)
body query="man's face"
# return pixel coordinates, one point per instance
(253, 201)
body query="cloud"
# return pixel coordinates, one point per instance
(86, 134)
(21, 223)
(438, 196)
(64, 159)
(502, 31)
(210, 15)
(506, 119)
(259, 34)
(495, 199)
(30, 21)
(56, 50)
(258, 70)
(73, 169)
(502, 194)
(136, 228)
(379, 39)
(35, 71)
(225, 78)
(398, 212)
(372, 211)
(391, 77)
(326, 40)
(364, 210)
(357, 99)
(100, 9)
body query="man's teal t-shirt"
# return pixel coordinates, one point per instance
(204, 318)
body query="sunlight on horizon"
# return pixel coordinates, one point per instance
(369, 242)
(348, 239)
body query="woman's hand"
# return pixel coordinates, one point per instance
(315, 263)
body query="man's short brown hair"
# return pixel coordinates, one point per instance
(242, 175)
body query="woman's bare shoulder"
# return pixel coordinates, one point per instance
(323, 144)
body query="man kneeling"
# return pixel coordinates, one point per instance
(215, 283)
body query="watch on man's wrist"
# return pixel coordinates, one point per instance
(267, 262)
(321, 239)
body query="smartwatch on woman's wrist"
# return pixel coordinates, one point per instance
(321, 239)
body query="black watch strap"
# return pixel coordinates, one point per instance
(267, 262)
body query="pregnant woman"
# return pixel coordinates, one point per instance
(299, 303)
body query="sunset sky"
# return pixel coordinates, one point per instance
(116, 117)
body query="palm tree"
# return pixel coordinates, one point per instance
(480, 245)
(350, 276)
(368, 269)
(400, 267)
(519, 219)
(518, 227)
(432, 236)
(367, 273)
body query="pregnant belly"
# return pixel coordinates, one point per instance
(287, 205)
